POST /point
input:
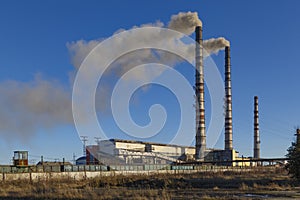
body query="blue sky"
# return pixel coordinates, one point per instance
(264, 38)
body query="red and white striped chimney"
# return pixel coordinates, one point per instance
(199, 92)
(228, 101)
(256, 130)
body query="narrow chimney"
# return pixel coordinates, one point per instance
(199, 92)
(228, 101)
(256, 130)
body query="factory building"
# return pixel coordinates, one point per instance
(116, 151)
(124, 152)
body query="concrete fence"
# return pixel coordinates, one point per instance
(37, 176)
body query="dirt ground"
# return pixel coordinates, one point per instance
(270, 184)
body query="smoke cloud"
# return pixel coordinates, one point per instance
(27, 107)
(185, 22)
(214, 45)
(80, 49)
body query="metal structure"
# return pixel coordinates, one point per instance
(256, 130)
(271, 161)
(84, 139)
(20, 158)
(228, 101)
(199, 93)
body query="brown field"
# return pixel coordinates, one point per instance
(268, 184)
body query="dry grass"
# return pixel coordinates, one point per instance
(221, 185)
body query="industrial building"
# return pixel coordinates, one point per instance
(116, 151)
(128, 152)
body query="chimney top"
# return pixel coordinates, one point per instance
(198, 29)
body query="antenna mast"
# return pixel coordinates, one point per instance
(84, 139)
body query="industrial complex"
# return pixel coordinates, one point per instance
(116, 151)
(118, 154)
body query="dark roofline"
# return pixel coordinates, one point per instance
(51, 163)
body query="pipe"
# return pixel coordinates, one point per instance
(228, 101)
(256, 130)
(199, 93)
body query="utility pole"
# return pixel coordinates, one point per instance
(74, 159)
(84, 139)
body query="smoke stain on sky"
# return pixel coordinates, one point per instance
(42, 103)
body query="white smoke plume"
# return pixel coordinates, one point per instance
(214, 45)
(27, 107)
(185, 22)
(80, 49)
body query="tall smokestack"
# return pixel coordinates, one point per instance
(256, 130)
(228, 101)
(199, 92)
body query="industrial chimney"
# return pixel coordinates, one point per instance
(199, 93)
(228, 101)
(256, 130)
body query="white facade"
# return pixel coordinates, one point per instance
(144, 152)
(116, 151)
